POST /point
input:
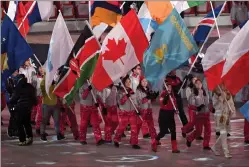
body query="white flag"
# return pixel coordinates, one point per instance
(60, 47)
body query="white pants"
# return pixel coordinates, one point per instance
(218, 125)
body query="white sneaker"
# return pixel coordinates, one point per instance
(228, 155)
(215, 151)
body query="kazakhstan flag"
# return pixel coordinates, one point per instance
(171, 46)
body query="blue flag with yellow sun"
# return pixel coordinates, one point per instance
(171, 46)
(14, 49)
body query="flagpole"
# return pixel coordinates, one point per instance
(30, 9)
(89, 9)
(171, 99)
(201, 48)
(215, 19)
(95, 101)
(122, 84)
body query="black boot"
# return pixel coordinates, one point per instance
(43, 137)
(188, 143)
(100, 142)
(199, 138)
(146, 136)
(38, 132)
(29, 141)
(116, 144)
(217, 133)
(136, 146)
(83, 143)
(60, 136)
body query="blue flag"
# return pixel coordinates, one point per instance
(14, 49)
(171, 46)
(245, 110)
(202, 29)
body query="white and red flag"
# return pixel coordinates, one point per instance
(235, 73)
(122, 49)
(214, 58)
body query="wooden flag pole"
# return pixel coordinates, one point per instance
(192, 66)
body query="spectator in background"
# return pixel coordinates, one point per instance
(239, 13)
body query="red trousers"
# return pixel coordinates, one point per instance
(37, 110)
(111, 122)
(201, 120)
(246, 130)
(69, 116)
(89, 113)
(148, 120)
(125, 118)
(192, 123)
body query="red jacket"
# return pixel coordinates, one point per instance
(169, 105)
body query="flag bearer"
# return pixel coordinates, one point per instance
(89, 111)
(135, 79)
(144, 97)
(127, 114)
(176, 83)
(166, 118)
(222, 102)
(109, 110)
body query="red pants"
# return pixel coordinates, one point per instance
(89, 113)
(202, 120)
(111, 122)
(148, 120)
(125, 118)
(37, 110)
(70, 116)
(246, 130)
(192, 123)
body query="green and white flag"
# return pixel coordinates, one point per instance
(184, 5)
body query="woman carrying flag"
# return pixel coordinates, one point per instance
(144, 97)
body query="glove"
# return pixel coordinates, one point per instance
(104, 111)
(90, 87)
(200, 107)
(62, 109)
(138, 113)
(196, 92)
(96, 104)
(213, 110)
(165, 99)
(128, 95)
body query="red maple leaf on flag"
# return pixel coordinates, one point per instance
(116, 50)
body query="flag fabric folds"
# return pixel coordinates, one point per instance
(214, 59)
(201, 31)
(12, 9)
(171, 46)
(235, 73)
(245, 110)
(14, 49)
(36, 11)
(121, 50)
(81, 63)
(60, 47)
(149, 25)
(181, 6)
(108, 12)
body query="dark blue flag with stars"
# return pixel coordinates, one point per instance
(14, 49)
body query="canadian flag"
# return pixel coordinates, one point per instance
(122, 49)
(214, 59)
(235, 73)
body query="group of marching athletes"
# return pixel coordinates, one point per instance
(124, 105)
